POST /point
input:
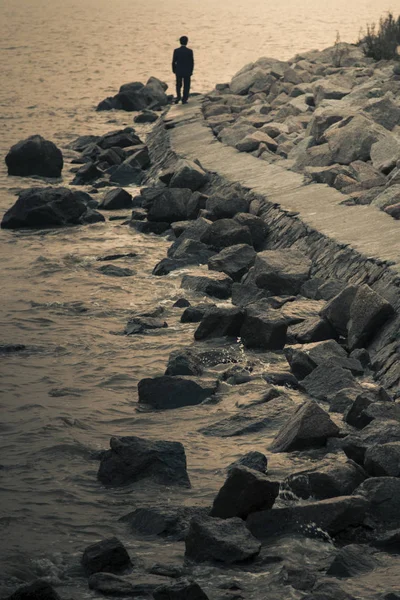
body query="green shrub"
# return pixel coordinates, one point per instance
(382, 44)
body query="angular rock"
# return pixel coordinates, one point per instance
(226, 232)
(139, 324)
(252, 460)
(146, 116)
(188, 175)
(170, 206)
(139, 158)
(34, 156)
(385, 153)
(330, 352)
(257, 227)
(213, 284)
(331, 516)
(37, 590)
(115, 271)
(352, 560)
(244, 491)
(353, 138)
(219, 322)
(281, 271)
(108, 555)
(167, 392)
(166, 521)
(181, 590)
(326, 380)
(337, 311)
(122, 138)
(115, 585)
(341, 401)
(308, 427)
(328, 590)
(252, 141)
(383, 460)
(365, 409)
(126, 174)
(184, 362)
(192, 232)
(368, 312)
(383, 495)
(335, 478)
(245, 293)
(132, 459)
(387, 198)
(300, 363)
(377, 432)
(223, 540)
(263, 327)
(314, 329)
(235, 261)
(194, 314)
(195, 249)
(221, 207)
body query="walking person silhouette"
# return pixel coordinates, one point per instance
(182, 66)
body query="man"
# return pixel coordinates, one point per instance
(182, 66)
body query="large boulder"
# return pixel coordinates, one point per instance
(243, 81)
(171, 205)
(383, 460)
(35, 156)
(188, 174)
(388, 197)
(223, 540)
(183, 589)
(337, 311)
(166, 391)
(309, 426)
(385, 153)
(244, 491)
(326, 380)
(368, 312)
(165, 520)
(116, 199)
(226, 232)
(184, 362)
(319, 353)
(235, 261)
(353, 138)
(37, 590)
(263, 327)
(108, 555)
(120, 138)
(131, 459)
(37, 208)
(383, 494)
(351, 561)
(222, 207)
(332, 516)
(219, 322)
(281, 271)
(257, 227)
(213, 284)
(379, 431)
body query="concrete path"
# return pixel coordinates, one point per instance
(365, 228)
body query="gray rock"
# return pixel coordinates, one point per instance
(235, 261)
(146, 116)
(352, 560)
(125, 174)
(166, 392)
(383, 494)
(37, 590)
(330, 352)
(257, 227)
(281, 271)
(192, 232)
(184, 362)
(263, 327)
(328, 590)
(385, 153)
(387, 198)
(253, 460)
(365, 409)
(189, 175)
(308, 427)
(115, 271)
(226, 207)
(383, 460)
(219, 322)
(226, 232)
(377, 432)
(326, 380)
(246, 293)
(115, 585)
(314, 329)
(213, 284)
(337, 311)
(170, 206)
(340, 401)
(139, 158)
(116, 199)
(132, 459)
(252, 141)
(194, 314)
(331, 516)
(108, 555)
(300, 363)
(34, 156)
(141, 324)
(166, 521)
(223, 540)
(181, 590)
(368, 312)
(353, 139)
(122, 138)
(244, 491)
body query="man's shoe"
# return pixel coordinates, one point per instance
(177, 101)
(184, 101)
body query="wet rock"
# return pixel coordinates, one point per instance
(300, 363)
(170, 206)
(115, 585)
(235, 261)
(257, 227)
(146, 116)
(150, 226)
(263, 327)
(389, 541)
(165, 521)
(139, 158)
(244, 491)
(121, 138)
(193, 248)
(213, 284)
(226, 207)
(383, 494)
(377, 432)
(246, 293)
(266, 416)
(138, 325)
(300, 578)
(365, 409)
(181, 303)
(252, 460)
(37, 208)
(226, 232)
(126, 174)
(184, 362)
(167, 392)
(34, 156)
(310, 330)
(309, 426)
(368, 312)
(166, 570)
(281, 271)
(116, 199)
(337, 311)
(108, 555)
(196, 203)
(383, 460)
(331, 479)
(114, 271)
(167, 265)
(194, 314)
(329, 352)
(193, 232)
(188, 174)
(328, 590)
(132, 459)
(181, 590)
(224, 540)
(326, 380)
(37, 590)
(11, 348)
(219, 322)
(331, 516)
(282, 378)
(87, 174)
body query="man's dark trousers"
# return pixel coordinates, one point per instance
(186, 87)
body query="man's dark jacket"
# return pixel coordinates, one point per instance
(182, 62)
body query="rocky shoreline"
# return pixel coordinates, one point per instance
(329, 402)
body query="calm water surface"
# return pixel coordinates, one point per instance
(76, 385)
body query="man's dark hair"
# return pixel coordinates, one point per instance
(183, 40)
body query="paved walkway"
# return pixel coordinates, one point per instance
(365, 228)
